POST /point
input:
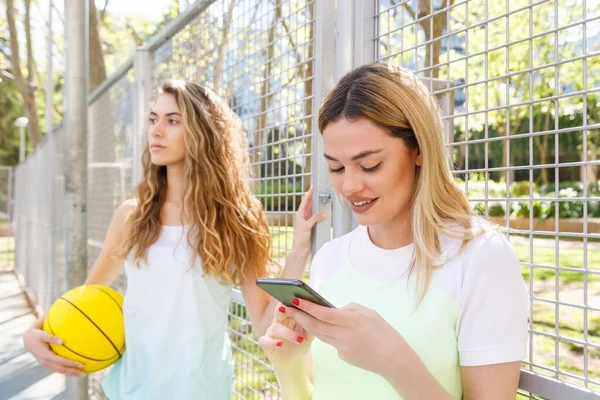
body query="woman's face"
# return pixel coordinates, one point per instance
(166, 132)
(372, 170)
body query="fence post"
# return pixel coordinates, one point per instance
(323, 83)
(365, 31)
(343, 63)
(142, 94)
(75, 106)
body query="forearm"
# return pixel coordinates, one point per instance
(294, 383)
(260, 305)
(295, 263)
(412, 380)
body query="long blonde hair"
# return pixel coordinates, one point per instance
(228, 229)
(399, 102)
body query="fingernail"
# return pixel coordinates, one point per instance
(282, 309)
(80, 365)
(299, 339)
(58, 341)
(279, 344)
(296, 302)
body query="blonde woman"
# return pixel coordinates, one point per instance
(431, 301)
(193, 231)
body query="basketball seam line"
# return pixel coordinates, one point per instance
(101, 331)
(73, 351)
(108, 294)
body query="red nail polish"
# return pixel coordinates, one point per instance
(296, 302)
(282, 309)
(299, 339)
(279, 344)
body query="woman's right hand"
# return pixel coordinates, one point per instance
(285, 341)
(36, 341)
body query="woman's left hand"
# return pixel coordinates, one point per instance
(360, 335)
(304, 220)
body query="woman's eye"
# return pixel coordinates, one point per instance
(173, 122)
(152, 121)
(335, 170)
(372, 169)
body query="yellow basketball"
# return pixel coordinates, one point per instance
(89, 320)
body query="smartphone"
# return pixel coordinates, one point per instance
(286, 290)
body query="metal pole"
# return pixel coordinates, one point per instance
(142, 93)
(75, 116)
(344, 56)
(21, 143)
(49, 79)
(323, 83)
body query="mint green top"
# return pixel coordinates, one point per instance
(428, 329)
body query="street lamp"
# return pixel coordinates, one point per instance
(21, 123)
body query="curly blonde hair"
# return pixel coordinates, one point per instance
(228, 228)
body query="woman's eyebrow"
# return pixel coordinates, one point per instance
(168, 114)
(360, 155)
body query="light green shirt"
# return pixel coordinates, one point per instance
(429, 329)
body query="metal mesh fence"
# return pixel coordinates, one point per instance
(6, 209)
(37, 221)
(110, 153)
(523, 106)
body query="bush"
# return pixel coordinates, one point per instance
(540, 209)
(280, 194)
(519, 189)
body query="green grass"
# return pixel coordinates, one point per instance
(571, 320)
(569, 258)
(282, 239)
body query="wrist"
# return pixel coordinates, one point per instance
(407, 363)
(293, 368)
(293, 381)
(409, 376)
(300, 250)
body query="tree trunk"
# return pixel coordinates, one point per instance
(97, 67)
(433, 49)
(542, 145)
(25, 86)
(223, 46)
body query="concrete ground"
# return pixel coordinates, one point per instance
(21, 377)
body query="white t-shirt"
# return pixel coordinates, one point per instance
(484, 281)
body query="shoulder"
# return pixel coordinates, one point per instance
(128, 207)
(458, 242)
(121, 217)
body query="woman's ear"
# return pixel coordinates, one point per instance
(419, 158)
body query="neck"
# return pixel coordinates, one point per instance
(175, 184)
(393, 234)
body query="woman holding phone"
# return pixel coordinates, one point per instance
(431, 301)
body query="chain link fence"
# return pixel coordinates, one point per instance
(518, 85)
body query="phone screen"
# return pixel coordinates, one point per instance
(286, 290)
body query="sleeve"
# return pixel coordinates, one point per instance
(492, 321)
